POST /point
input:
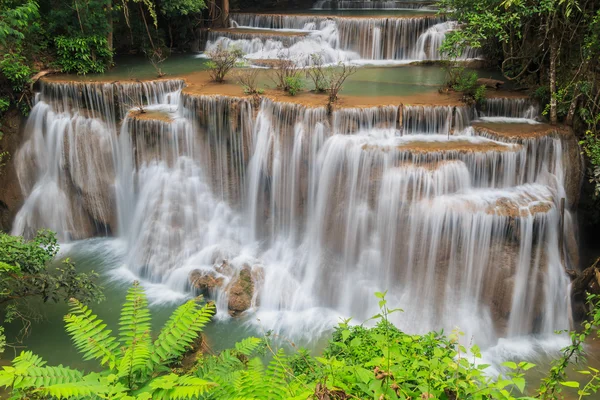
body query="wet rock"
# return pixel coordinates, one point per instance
(240, 287)
(241, 291)
(206, 281)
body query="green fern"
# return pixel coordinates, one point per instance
(277, 373)
(174, 387)
(90, 335)
(180, 331)
(134, 334)
(248, 345)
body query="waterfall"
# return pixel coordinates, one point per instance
(346, 39)
(323, 210)
(508, 110)
(373, 5)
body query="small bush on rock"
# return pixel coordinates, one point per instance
(222, 61)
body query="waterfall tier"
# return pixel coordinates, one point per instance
(458, 220)
(335, 38)
(373, 5)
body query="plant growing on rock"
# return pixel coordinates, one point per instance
(337, 77)
(222, 60)
(329, 79)
(318, 73)
(293, 85)
(286, 74)
(248, 78)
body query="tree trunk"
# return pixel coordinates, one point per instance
(572, 107)
(553, 57)
(225, 14)
(147, 29)
(109, 37)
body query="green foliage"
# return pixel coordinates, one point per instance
(14, 67)
(175, 8)
(590, 144)
(461, 79)
(136, 368)
(4, 104)
(479, 95)
(83, 55)
(28, 272)
(16, 18)
(379, 362)
(293, 85)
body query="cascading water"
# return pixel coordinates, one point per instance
(319, 210)
(337, 39)
(373, 5)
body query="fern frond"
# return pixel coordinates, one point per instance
(81, 389)
(174, 387)
(27, 360)
(277, 373)
(29, 372)
(248, 345)
(224, 370)
(134, 334)
(181, 330)
(249, 384)
(90, 335)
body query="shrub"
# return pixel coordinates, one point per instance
(248, 78)
(27, 271)
(318, 73)
(479, 94)
(14, 67)
(337, 77)
(293, 85)
(83, 55)
(286, 73)
(222, 61)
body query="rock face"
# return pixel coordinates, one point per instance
(10, 191)
(239, 285)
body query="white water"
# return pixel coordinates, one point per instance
(378, 40)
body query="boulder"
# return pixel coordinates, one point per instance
(241, 291)
(206, 281)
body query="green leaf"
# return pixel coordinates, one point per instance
(572, 384)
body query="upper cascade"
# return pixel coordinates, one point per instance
(374, 5)
(366, 39)
(458, 220)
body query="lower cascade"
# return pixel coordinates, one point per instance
(299, 216)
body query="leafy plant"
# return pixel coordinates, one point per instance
(293, 85)
(83, 55)
(16, 71)
(136, 367)
(286, 72)
(222, 60)
(28, 272)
